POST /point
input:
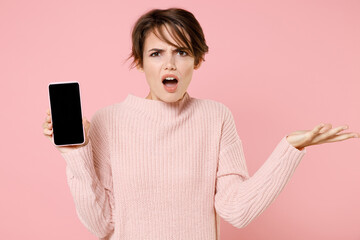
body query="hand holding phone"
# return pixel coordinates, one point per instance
(65, 117)
(48, 131)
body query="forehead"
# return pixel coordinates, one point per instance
(155, 39)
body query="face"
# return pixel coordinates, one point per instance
(166, 59)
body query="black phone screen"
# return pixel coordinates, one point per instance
(66, 113)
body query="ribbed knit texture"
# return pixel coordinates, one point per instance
(155, 170)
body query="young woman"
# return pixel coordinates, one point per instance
(168, 165)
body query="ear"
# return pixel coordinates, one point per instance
(139, 68)
(198, 66)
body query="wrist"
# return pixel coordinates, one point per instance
(298, 147)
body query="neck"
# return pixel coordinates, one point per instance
(159, 110)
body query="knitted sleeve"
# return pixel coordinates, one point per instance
(240, 198)
(89, 178)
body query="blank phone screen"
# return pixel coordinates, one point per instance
(66, 113)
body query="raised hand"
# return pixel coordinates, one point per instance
(48, 131)
(322, 133)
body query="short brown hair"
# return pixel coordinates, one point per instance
(179, 21)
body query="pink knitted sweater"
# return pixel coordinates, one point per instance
(154, 170)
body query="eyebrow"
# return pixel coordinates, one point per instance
(161, 50)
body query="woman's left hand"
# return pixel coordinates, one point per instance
(322, 133)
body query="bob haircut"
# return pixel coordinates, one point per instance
(179, 21)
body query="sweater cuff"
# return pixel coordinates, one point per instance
(284, 148)
(79, 161)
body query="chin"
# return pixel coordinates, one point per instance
(173, 97)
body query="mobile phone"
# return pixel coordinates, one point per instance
(66, 116)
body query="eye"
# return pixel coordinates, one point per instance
(151, 55)
(185, 53)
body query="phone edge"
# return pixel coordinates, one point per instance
(83, 129)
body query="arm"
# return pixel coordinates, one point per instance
(240, 198)
(89, 178)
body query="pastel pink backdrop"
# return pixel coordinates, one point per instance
(280, 66)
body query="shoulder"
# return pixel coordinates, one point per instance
(217, 107)
(105, 112)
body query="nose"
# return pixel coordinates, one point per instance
(170, 63)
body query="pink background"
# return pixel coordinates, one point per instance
(280, 66)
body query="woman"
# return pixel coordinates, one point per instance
(168, 165)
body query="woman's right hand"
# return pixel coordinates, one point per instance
(48, 131)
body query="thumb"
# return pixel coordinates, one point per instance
(85, 121)
(86, 124)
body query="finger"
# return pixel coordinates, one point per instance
(317, 128)
(337, 138)
(48, 132)
(322, 127)
(48, 119)
(338, 129)
(314, 130)
(330, 133)
(48, 111)
(86, 123)
(326, 128)
(45, 124)
(353, 134)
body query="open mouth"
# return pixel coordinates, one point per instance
(170, 82)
